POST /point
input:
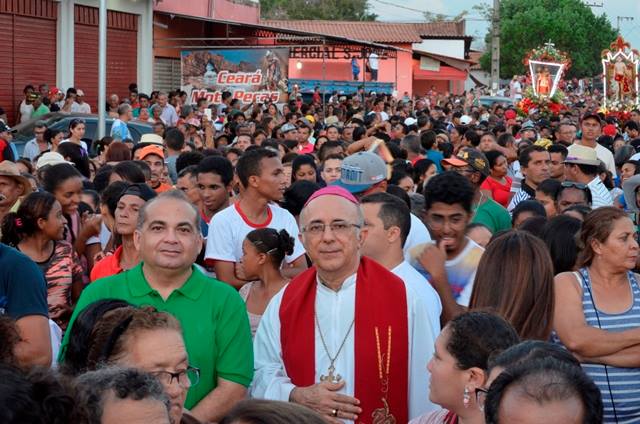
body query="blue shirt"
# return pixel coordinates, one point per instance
(120, 131)
(436, 157)
(23, 290)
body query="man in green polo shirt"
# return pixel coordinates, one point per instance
(213, 316)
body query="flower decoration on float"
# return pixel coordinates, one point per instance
(620, 79)
(546, 66)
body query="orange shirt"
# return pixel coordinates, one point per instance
(162, 188)
(107, 266)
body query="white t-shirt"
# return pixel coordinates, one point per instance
(606, 156)
(423, 288)
(418, 234)
(25, 111)
(83, 108)
(373, 61)
(229, 227)
(516, 90)
(461, 270)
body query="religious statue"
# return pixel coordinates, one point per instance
(546, 66)
(620, 63)
(621, 77)
(543, 82)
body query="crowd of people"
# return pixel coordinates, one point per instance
(369, 260)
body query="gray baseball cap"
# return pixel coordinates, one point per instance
(361, 171)
(288, 127)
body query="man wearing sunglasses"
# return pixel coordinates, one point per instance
(581, 166)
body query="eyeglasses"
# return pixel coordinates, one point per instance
(185, 378)
(76, 121)
(339, 228)
(481, 396)
(572, 184)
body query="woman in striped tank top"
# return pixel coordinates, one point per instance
(597, 312)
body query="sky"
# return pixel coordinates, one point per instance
(408, 11)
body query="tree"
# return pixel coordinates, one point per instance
(439, 17)
(569, 24)
(332, 10)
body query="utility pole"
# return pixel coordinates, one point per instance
(102, 67)
(495, 48)
(622, 18)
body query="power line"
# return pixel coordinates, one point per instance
(400, 6)
(411, 9)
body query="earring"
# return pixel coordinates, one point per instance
(466, 398)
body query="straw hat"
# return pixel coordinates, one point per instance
(10, 169)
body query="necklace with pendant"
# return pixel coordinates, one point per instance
(331, 377)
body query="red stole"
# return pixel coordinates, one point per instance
(381, 301)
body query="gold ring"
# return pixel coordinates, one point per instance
(334, 412)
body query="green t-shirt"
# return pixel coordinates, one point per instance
(493, 216)
(214, 323)
(43, 109)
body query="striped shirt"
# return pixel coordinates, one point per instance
(623, 386)
(525, 193)
(600, 196)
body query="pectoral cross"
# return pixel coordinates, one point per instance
(331, 378)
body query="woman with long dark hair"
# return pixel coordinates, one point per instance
(77, 129)
(515, 279)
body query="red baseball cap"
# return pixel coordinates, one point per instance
(510, 114)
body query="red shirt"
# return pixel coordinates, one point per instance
(306, 149)
(500, 192)
(107, 266)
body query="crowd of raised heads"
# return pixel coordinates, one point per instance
(353, 258)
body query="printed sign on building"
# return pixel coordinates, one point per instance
(250, 75)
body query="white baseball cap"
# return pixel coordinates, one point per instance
(465, 119)
(410, 121)
(50, 159)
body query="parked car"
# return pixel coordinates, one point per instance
(24, 132)
(489, 101)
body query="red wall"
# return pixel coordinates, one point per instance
(216, 9)
(420, 87)
(27, 48)
(122, 52)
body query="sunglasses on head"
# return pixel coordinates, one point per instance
(571, 184)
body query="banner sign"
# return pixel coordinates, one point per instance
(336, 52)
(250, 75)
